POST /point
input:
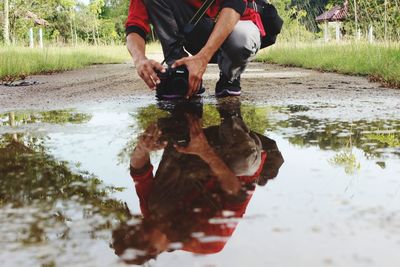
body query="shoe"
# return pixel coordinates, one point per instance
(225, 87)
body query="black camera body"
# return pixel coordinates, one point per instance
(175, 130)
(174, 83)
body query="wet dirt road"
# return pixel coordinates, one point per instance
(268, 84)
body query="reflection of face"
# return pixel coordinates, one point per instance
(241, 149)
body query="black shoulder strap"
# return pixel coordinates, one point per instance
(192, 24)
(201, 12)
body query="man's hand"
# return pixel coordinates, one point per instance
(146, 69)
(196, 65)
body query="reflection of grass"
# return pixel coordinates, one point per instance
(53, 117)
(254, 117)
(391, 140)
(347, 160)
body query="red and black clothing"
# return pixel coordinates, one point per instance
(138, 18)
(214, 235)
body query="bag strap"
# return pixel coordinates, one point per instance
(200, 13)
(189, 27)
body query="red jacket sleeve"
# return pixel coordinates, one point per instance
(143, 184)
(138, 19)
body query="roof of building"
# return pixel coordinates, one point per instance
(36, 19)
(337, 13)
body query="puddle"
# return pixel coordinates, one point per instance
(310, 192)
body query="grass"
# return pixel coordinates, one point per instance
(19, 62)
(378, 61)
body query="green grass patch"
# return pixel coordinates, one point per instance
(19, 62)
(378, 61)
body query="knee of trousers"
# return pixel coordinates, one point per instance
(243, 43)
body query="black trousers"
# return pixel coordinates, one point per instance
(169, 18)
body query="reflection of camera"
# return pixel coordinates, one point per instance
(174, 82)
(175, 130)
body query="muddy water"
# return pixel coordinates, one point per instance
(315, 190)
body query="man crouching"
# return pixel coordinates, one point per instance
(229, 34)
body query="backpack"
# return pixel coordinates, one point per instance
(271, 20)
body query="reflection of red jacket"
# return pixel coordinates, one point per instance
(214, 235)
(138, 19)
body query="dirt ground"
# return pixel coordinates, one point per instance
(262, 83)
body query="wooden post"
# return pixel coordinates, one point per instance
(371, 34)
(31, 43)
(41, 38)
(358, 35)
(326, 31)
(338, 33)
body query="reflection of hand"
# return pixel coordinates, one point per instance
(149, 140)
(198, 142)
(196, 65)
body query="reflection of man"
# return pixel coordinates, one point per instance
(212, 177)
(233, 39)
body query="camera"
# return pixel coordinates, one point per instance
(174, 83)
(175, 130)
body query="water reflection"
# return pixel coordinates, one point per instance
(203, 184)
(376, 138)
(65, 189)
(41, 198)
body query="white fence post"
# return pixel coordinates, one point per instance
(31, 43)
(371, 34)
(326, 32)
(358, 34)
(338, 32)
(41, 38)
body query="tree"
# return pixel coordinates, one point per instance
(6, 30)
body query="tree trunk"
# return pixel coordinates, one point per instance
(6, 33)
(356, 18)
(94, 35)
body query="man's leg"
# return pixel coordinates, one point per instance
(239, 49)
(169, 17)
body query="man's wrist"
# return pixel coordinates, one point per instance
(206, 54)
(139, 59)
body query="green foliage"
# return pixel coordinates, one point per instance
(340, 136)
(346, 160)
(391, 140)
(32, 179)
(380, 62)
(383, 15)
(70, 21)
(53, 117)
(254, 117)
(17, 62)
